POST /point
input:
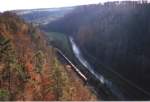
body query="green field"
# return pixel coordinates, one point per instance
(61, 41)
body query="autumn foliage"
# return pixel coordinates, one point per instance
(28, 66)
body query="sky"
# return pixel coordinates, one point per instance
(31, 4)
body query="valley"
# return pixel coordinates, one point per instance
(80, 53)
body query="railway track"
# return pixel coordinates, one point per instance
(84, 78)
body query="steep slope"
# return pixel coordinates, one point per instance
(29, 68)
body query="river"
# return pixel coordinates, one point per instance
(107, 83)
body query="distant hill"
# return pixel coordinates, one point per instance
(43, 16)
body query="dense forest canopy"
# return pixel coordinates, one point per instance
(30, 69)
(117, 34)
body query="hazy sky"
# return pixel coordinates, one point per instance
(29, 4)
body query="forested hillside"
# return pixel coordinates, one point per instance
(30, 69)
(116, 34)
